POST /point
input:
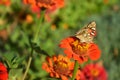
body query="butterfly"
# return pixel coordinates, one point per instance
(87, 33)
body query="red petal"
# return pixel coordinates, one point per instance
(94, 52)
(65, 43)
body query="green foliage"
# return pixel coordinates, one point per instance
(16, 47)
(108, 40)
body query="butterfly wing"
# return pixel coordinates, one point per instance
(87, 33)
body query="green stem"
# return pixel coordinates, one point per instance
(4, 14)
(28, 66)
(75, 70)
(38, 24)
(35, 40)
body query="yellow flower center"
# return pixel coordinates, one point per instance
(94, 72)
(80, 48)
(61, 67)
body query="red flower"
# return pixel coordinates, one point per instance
(48, 5)
(80, 51)
(58, 66)
(94, 72)
(5, 2)
(80, 75)
(3, 72)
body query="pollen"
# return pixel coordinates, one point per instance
(80, 48)
(61, 67)
(94, 72)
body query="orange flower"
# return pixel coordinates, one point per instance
(45, 4)
(48, 5)
(5, 2)
(94, 72)
(80, 51)
(3, 72)
(59, 66)
(29, 18)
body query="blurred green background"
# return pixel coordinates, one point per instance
(16, 30)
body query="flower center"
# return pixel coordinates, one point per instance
(61, 67)
(94, 72)
(80, 48)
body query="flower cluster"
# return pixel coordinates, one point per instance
(62, 67)
(80, 51)
(77, 49)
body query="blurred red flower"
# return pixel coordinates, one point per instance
(48, 5)
(80, 51)
(105, 1)
(5, 2)
(59, 67)
(94, 72)
(3, 72)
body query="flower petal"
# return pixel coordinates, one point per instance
(46, 67)
(64, 77)
(3, 72)
(94, 52)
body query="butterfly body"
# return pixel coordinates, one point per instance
(87, 33)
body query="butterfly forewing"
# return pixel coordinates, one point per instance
(87, 33)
